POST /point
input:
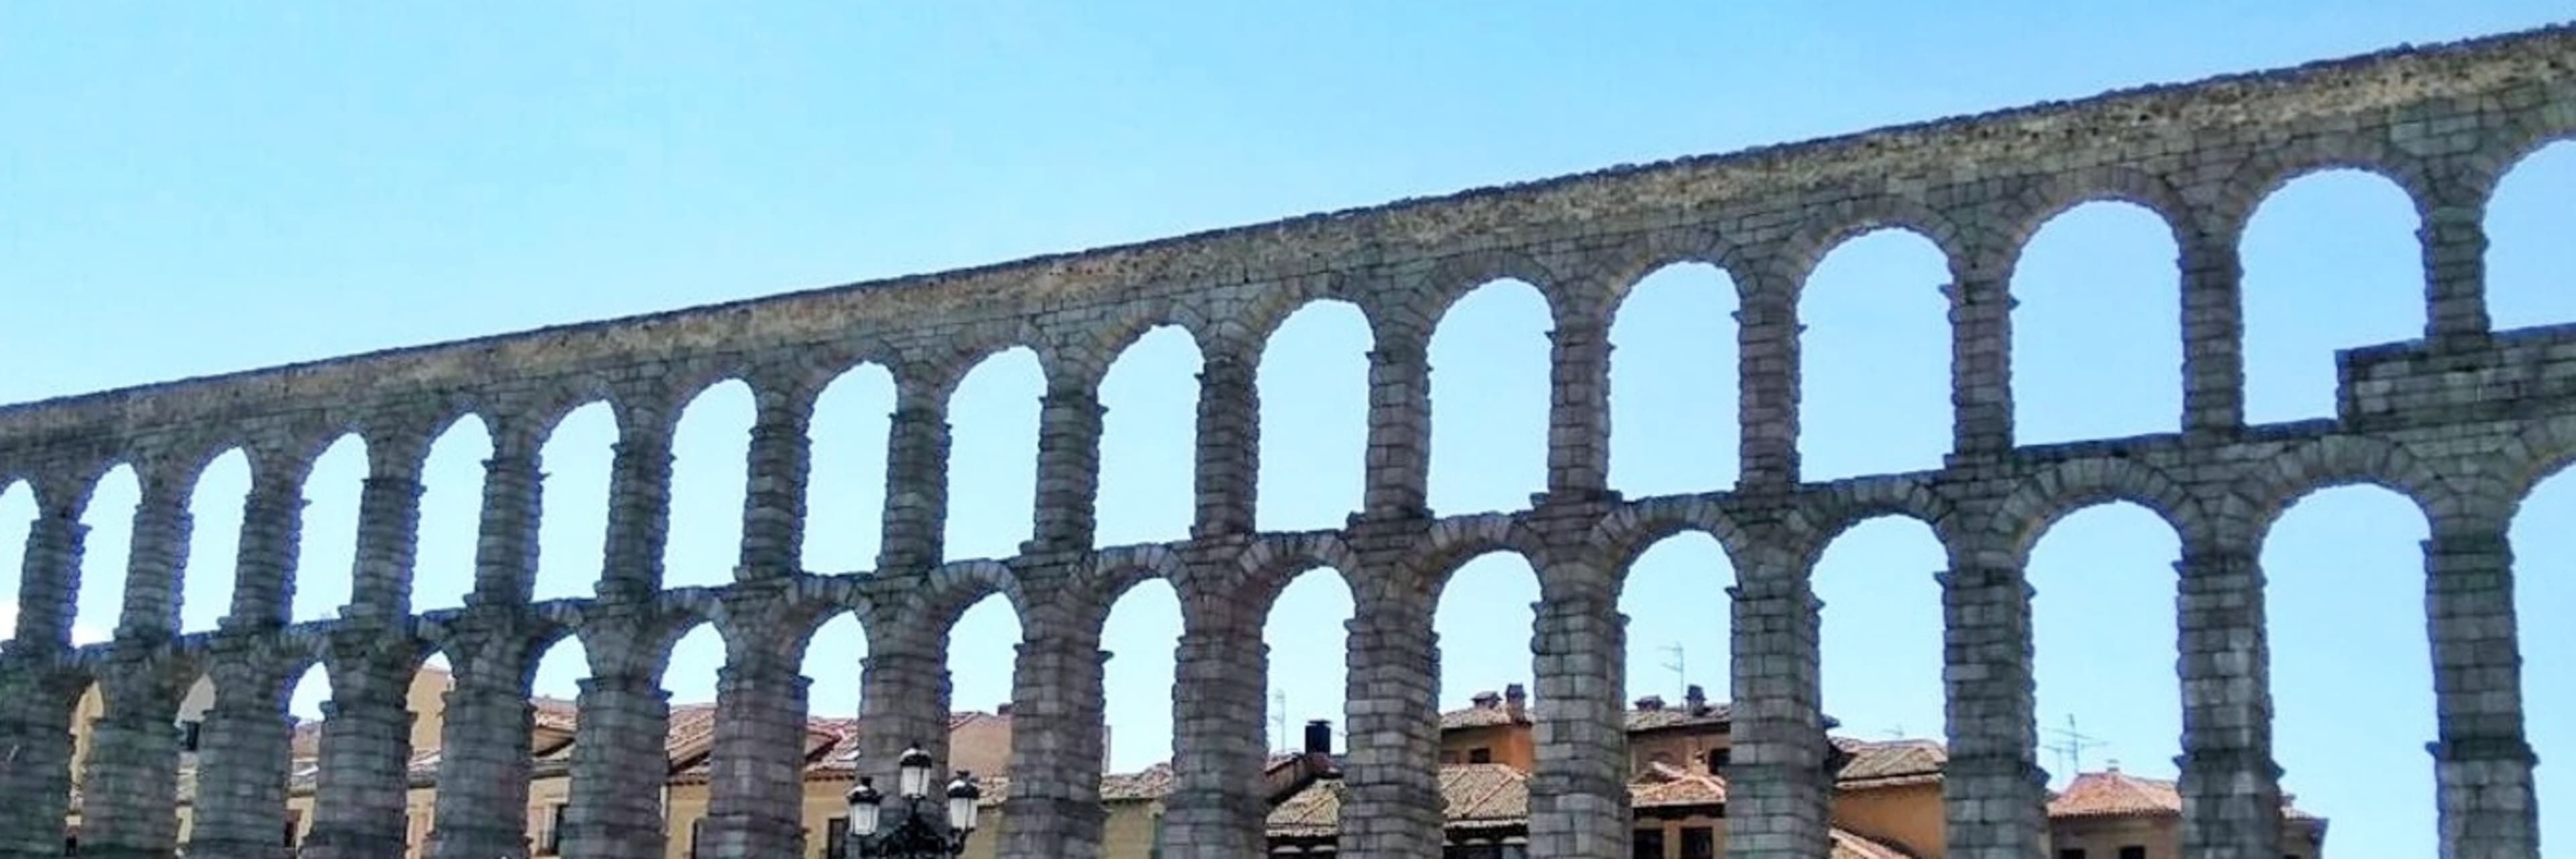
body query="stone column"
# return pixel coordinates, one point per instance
(1393, 807)
(156, 560)
(755, 781)
(388, 540)
(619, 769)
(483, 771)
(505, 549)
(1776, 780)
(1399, 428)
(1994, 795)
(37, 724)
(1766, 342)
(1053, 810)
(1579, 794)
(129, 797)
(2482, 758)
(49, 580)
(264, 562)
(903, 687)
(1219, 708)
(773, 500)
(1981, 400)
(2213, 337)
(639, 514)
(1068, 480)
(359, 809)
(2231, 790)
(241, 780)
(916, 498)
(1578, 435)
(1229, 443)
(2455, 276)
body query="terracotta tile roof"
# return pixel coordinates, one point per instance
(1154, 782)
(1312, 812)
(1890, 763)
(2113, 793)
(1714, 714)
(1852, 845)
(1668, 786)
(1482, 717)
(1478, 795)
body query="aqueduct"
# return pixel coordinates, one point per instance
(2463, 421)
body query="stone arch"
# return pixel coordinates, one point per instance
(2542, 450)
(2275, 166)
(938, 368)
(1824, 516)
(1267, 308)
(1088, 346)
(1263, 570)
(2524, 134)
(1451, 543)
(1828, 227)
(2042, 498)
(1454, 277)
(954, 587)
(1626, 534)
(2254, 503)
(1620, 269)
(2042, 199)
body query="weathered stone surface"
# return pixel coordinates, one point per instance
(2463, 421)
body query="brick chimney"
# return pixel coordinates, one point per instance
(1515, 699)
(1651, 702)
(1486, 700)
(1002, 709)
(1319, 736)
(1696, 700)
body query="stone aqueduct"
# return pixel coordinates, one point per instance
(2463, 421)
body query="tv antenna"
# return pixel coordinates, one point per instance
(2070, 746)
(1679, 665)
(1279, 720)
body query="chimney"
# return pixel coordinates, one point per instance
(1319, 736)
(1515, 698)
(1002, 709)
(1696, 699)
(1486, 700)
(1651, 702)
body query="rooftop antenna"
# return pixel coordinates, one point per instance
(1896, 732)
(1279, 719)
(2070, 746)
(1679, 665)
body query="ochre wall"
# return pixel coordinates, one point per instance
(1909, 815)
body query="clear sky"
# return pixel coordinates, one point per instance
(196, 189)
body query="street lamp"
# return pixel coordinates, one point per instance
(915, 834)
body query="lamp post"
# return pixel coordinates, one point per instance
(916, 833)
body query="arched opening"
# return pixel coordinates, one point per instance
(1680, 623)
(1313, 383)
(2528, 255)
(2330, 262)
(1489, 400)
(327, 555)
(2352, 670)
(2102, 630)
(1674, 426)
(983, 666)
(109, 516)
(17, 518)
(304, 751)
(451, 515)
(572, 530)
(1880, 637)
(689, 735)
(845, 482)
(1308, 635)
(710, 449)
(993, 452)
(1874, 360)
(834, 658)
(1143, 637)
(1485, 619)
(2543, 549)
(214, 541)
(2097, 327)
(555, 718)
(1149, 430)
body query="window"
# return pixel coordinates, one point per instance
(1471, 851)
(294, 821)
(836, 837)
(550, 842)
(2071, 853)
(697, 837)
(1480, 755)
(1649, 844)
(2133, 851)
(1717, 759)
(189, 733)
(1698, 843)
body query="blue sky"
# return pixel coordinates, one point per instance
(189, 190)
